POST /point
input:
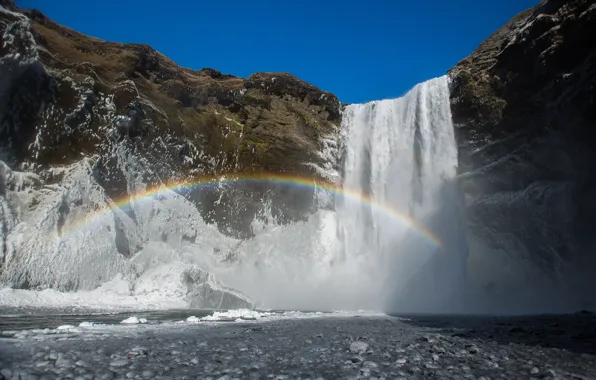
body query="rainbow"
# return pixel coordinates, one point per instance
(207, 181)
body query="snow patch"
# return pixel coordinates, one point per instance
(328, 155)
(233, 121)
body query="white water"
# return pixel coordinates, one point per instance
(403, 152)
(400, 151)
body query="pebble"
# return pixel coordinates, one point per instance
(140, 350)
(358, 347)
(355, 359)
(119, 363)
(61, 362)
(231, 353)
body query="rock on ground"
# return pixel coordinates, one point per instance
(324, 348)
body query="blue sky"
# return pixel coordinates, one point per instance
(359, 50)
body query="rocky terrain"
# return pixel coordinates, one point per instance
(67, 97)
(356, 347)
(86, 125)
(524, 108)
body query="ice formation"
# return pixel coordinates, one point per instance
(69, 243)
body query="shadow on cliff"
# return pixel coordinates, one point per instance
(572, 332)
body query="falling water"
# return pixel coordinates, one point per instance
(402, 153)
(405, 251)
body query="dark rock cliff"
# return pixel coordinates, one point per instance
(524, 106)
(65, 96)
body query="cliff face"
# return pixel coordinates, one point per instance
(85, 123)
(524, 107)
(126, 108)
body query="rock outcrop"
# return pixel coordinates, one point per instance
(88, 127)
(65, 96)
(205, 292)
(524, 106)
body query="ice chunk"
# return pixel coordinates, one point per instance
(134, 320)
(242, 314)
(131, 320)
(65, 327)
(205, 292)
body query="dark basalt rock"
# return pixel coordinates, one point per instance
(524, 109)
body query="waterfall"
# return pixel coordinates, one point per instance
(392, 239)
(402, 153)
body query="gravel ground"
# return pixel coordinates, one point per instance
(382, 347)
